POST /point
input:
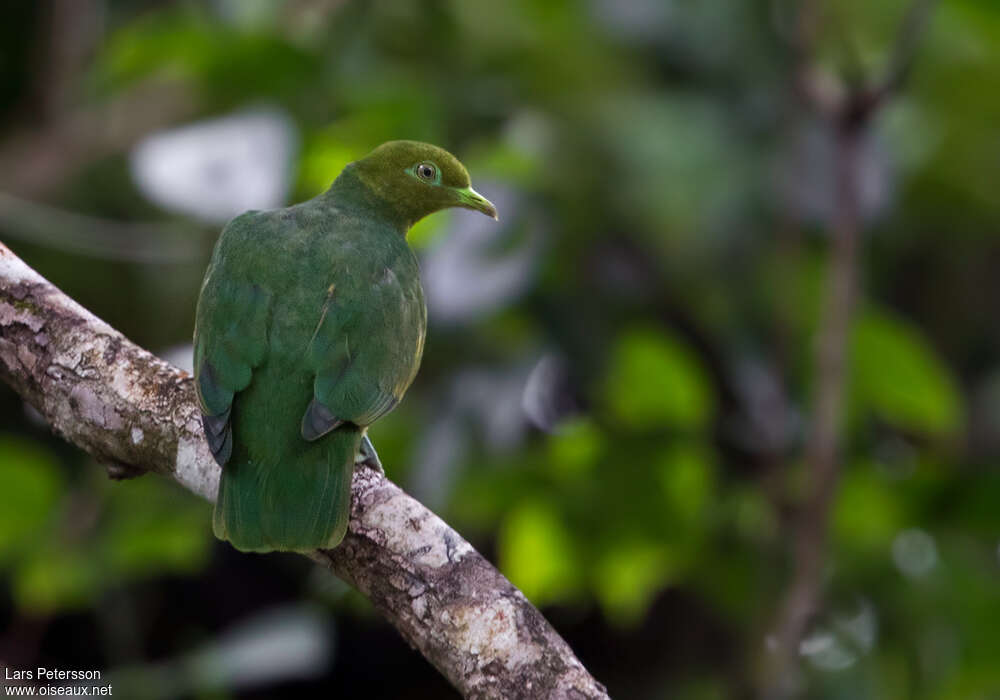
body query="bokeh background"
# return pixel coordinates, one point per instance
(617, 381)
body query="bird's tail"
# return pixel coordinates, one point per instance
(299, 504)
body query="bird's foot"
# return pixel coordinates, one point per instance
(368, 457)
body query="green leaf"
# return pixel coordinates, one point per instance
(897, 375)
(655, 380)
(230, 65)
(511, 161)
(752, 514)
(57, 578)
(537, 553)
(688, 482)
(627, 577)
(153, 526)
(575, 448)
(868, 512)
(427, 230)
(30, 486)
(323, 157)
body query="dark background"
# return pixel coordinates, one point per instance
(618, 377)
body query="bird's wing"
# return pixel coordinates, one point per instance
(230, 340)
(364, 353)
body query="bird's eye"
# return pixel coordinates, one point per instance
(426, 171)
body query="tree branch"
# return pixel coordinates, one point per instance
(851, 114)
(36, 159)
(812, 525)
(135, 413)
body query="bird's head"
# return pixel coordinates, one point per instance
(417, 179)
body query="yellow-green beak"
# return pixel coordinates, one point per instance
(471, 199)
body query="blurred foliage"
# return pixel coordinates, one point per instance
(66, 539)
(655, 381)
(897, 376)
(615, 413)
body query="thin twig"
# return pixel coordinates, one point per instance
(851, 115)
(96, 237)
(801, 600)
(904, 51)
(35, 160)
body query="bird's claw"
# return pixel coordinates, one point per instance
(368, 457)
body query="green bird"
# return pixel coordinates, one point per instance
(310, 327)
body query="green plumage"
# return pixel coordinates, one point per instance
(310, 327)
